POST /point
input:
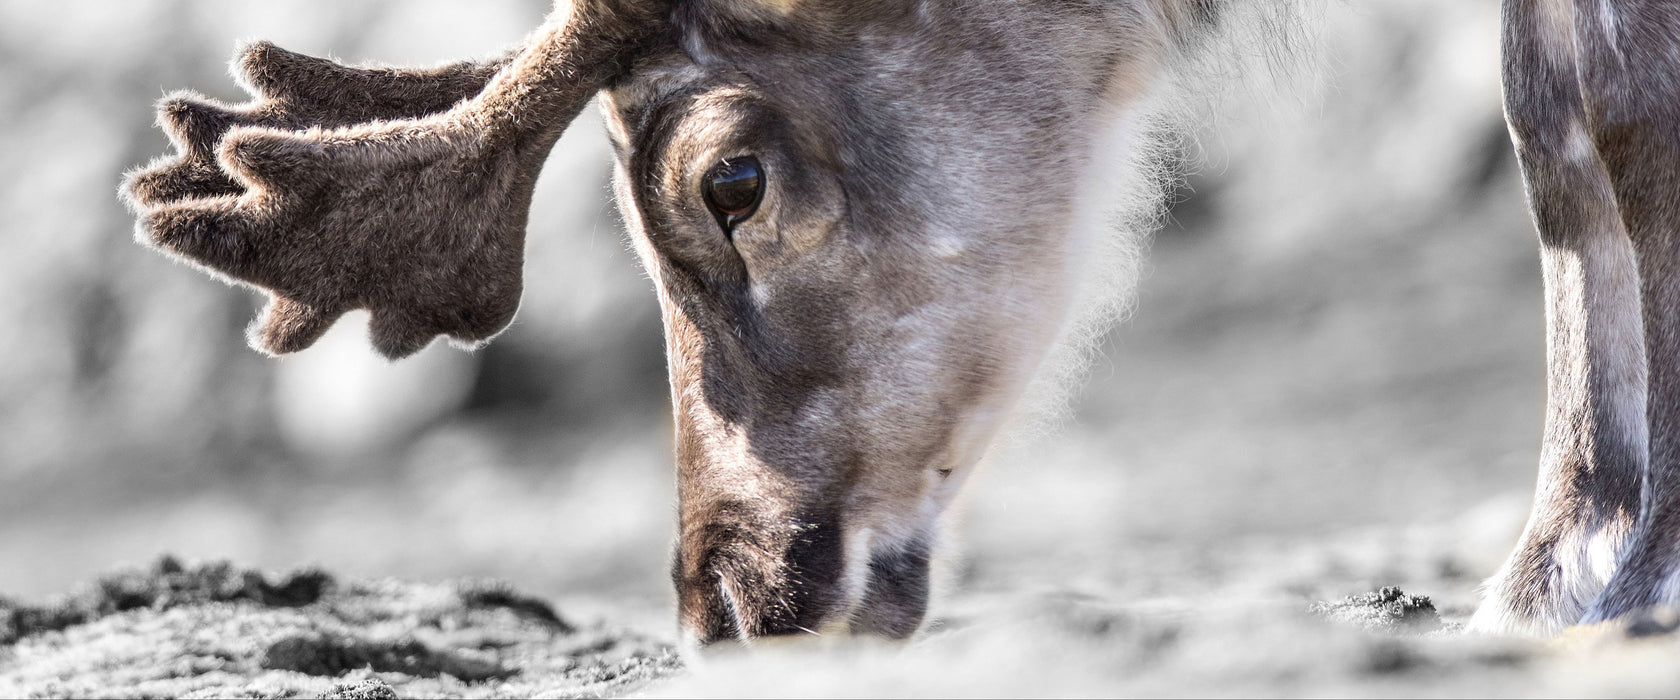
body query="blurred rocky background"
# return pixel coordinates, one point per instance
(1340, 332)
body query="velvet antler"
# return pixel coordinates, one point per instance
(292, 92)
(402, 192)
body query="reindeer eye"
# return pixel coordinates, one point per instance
(733, 190)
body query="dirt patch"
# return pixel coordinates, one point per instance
(1387, 609)
(216, 630)
(167, 585)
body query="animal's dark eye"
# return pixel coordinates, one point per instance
(733, 189)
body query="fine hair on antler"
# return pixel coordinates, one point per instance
(402, 192)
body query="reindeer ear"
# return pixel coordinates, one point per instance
(342, 188)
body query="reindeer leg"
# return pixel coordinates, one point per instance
(1594, 446)
(1628, 78)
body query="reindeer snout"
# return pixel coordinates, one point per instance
(740, 577)
(896, 596)
(738, 583)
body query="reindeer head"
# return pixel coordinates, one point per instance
(859, 216)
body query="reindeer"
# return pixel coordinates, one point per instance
(867, 221)
(1593, 103)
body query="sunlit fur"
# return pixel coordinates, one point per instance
(946, 178)
(1591, 95)
(1145, 149)
(964, 236)
(957, 194)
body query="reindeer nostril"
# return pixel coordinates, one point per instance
(944, 473)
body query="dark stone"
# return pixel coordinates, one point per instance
(329, 655)
(498, 594)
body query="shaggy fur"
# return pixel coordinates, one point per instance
(841, 359)
(1591, 95)
(934, 180)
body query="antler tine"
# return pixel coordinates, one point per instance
(291, 92)
(419, 218)
(334, 89)
(194, 121)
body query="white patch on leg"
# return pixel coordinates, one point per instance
(1604, 550)
(1583, 566)
(1595, 343)
(1586, 563)
(1578, 144)
(1493, 616)
(1555, 28)
(1610, 24)
(1617, 338)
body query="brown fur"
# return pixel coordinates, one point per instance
(1591, 94)
(1631, 88)
(840, 359)
(837, 362)
(401, 192)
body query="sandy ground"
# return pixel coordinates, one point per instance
(215, 630)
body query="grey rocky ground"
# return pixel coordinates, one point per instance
(216, 630)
